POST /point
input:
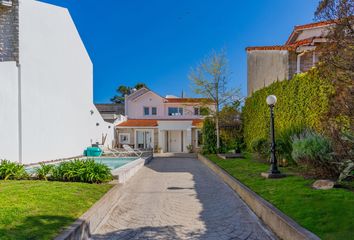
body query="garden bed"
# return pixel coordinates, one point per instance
(327, 213)
(42, 209)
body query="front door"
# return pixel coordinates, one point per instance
(175, 141)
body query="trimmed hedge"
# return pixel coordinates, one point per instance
(302, 102)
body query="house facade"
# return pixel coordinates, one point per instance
(267, 64)
(165, 124)
(46, 93)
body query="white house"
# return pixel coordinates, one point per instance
(169, 124)
(46, 93)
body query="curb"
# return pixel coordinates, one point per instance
(282, 225)
(89, 221)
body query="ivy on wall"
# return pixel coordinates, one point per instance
(302, 101)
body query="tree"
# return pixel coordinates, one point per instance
(123, 90)
(209, 137)
(337, 66)
(210, 79)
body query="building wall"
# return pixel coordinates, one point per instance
(9, 141)
(57, 116)
(266, 67)
(306, 62)
(9, 32)
(135, 108)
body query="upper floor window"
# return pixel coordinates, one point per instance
(153, 111)
(146, 111)
(196, 111)
(175, 111)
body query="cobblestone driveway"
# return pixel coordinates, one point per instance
(180, 198)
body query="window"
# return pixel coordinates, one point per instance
(196, 111)
(174, 111)
(146, 111)
(153, 111)
(124, 138)
(199, 138)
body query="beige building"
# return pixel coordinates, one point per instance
(165, 124)
(267, 64)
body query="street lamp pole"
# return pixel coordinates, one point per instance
(274, 164)
(273, 171)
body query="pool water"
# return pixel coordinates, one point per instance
(111, 162)
(114, 162)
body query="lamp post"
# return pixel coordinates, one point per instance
(273, 171)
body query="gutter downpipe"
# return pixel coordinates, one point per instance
(20, 155)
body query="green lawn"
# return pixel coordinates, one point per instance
(327, 213)
(40, 209)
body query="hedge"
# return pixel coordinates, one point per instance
(302, 101)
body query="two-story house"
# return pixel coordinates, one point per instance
(267, 64)
(167, 124)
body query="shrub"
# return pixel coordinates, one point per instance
(209, 136)
(314, 153)
(302, 102)
(12, 170)
(262, 148)
(44, 171)
(284, 143)
(82, 170)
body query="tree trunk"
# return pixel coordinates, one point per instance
(217, 124)
(217, 133)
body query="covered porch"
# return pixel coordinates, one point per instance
(177, 136)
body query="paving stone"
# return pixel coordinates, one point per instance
(180, 198)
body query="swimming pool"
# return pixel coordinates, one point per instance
(114, 162)
(111, 162)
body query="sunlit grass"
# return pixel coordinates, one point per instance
(327, 213)
(41, 209)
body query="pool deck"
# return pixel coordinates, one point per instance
(180, 198)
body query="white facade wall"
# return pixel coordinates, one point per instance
(9, 118)
(59, 119)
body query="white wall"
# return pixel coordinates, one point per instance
(9, 144)
(57, 86)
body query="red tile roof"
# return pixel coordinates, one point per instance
(189, 100)
(139, 123)
(313, 25)
(268, 48)
(153, 122)
(292, 46)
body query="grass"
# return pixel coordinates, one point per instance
(41, 209)
(327, 213)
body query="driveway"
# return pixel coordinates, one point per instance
(180, 198)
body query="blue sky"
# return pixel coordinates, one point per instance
(158, 41)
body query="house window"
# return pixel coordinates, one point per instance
(174, 111)
(196, 111)
(199, 138)
(153, 111)
(146, 111)
(124, 138)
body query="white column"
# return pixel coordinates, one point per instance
(189, 137)
(313, 58)
(298, 63)
(161, 142)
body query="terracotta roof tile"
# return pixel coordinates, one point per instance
(139, 123)
(188, 100)
(313, 25)
(292, 46)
